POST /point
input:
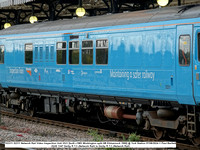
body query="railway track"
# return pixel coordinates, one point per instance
(180, 146)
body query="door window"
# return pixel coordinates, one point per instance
(184, 50)
(74, 52)
(28, 53)
(198, 46)
(87, 52)
(61, 52)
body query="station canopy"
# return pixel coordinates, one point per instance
(19, 11)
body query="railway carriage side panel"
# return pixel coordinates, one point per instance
(140, 64)
(28, 65)
(143, 63)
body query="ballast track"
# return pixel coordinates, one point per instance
(180, 146)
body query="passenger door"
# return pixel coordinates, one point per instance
(196, 74)
(184, 64)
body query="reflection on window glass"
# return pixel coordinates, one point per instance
(28, 53)
(74, 44)
(184, 50)
(61, 53)
(1, 54)
(102, 56)
(73, 56)
(102, 43)
(61, 45)
(87, 56)
(87, 52)
(74, 52)
(102, 52)
(87, 44)
(61, 56)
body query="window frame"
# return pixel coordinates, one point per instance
(187, 65)
(36, 58)
(25, 53)
(3, 55)
(100, 48)
(61, 49)
(71, 49)
(46, 57)
(89, 48)
(52, 52)
(41, 53)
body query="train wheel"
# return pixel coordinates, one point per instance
(16, 110)
(31, 112)
(7, 104)
(196, 141)
(158, 133)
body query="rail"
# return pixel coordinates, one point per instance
(85, 128)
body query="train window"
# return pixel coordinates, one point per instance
(47, 53)
(2, 54)
(51, 52)
(61, 52)
(87, 52)
(184, 50)
(36, 53)
(74, 52)
(102, 52)
(28, 53)
(41, 53)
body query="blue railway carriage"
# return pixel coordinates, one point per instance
(140, 67)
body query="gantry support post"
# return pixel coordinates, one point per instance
(179, 2)
(51, 11)
(114, 6)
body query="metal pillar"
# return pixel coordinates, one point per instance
(80, 3)
(51, 11)
(114, 6)
(179, 2)
(17, 16)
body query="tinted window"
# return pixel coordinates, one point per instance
(28, 53)
(1, 54)
(41, 53)
(102, 52)
(61, 52)
(74, 52)
(36, 53)
(87, 52)
(184, 50)
(51, 52)
(47, 53)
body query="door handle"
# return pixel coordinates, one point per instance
(197, 76)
